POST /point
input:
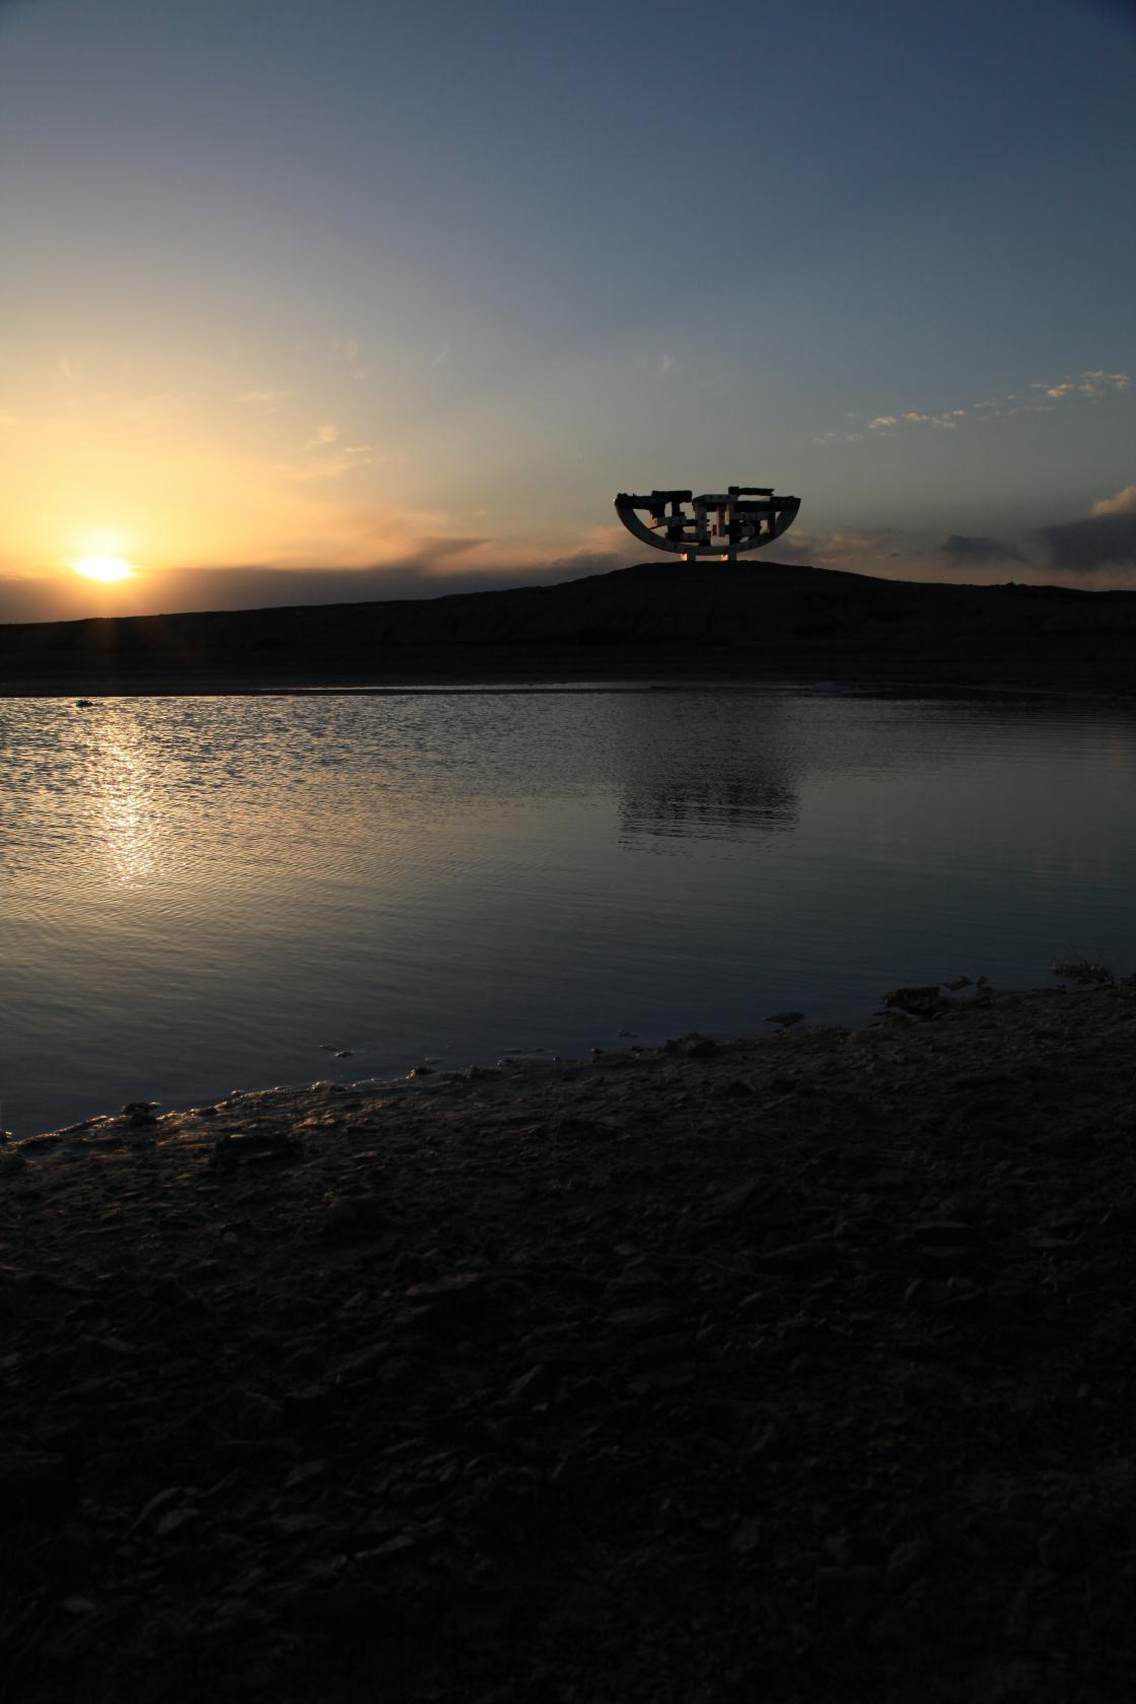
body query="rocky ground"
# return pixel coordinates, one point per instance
(792, 1369)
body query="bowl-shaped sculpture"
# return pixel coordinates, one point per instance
(720, 524)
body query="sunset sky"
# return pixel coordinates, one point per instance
(410, 288)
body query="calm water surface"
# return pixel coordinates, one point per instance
(196, 893)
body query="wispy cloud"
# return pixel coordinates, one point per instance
(661, 364)
(322, 437)
(337, 460)
(1092, 385)
(947, 420)
(345, 349)
(266, 401)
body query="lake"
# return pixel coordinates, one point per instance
(201, 894)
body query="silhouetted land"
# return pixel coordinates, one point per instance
(796, 1369)
(757, 620)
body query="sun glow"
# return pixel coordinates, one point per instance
(106, 569)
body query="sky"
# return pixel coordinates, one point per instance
(390, 297)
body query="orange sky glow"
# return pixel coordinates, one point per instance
(253, 318)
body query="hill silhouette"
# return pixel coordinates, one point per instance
(752, 620)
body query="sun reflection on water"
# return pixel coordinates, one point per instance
(124, 799)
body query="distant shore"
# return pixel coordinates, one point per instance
(803, 1360)
(633, 674)
(755, 621)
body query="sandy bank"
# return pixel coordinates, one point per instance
(797, 1369)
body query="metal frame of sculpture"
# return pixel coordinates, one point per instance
(717, 524)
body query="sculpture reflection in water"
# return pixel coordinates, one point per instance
(681, 775)
(726, 807)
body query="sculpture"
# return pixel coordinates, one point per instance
(745, 517)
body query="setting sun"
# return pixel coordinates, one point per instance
(104, 568)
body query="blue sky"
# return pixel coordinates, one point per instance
(422, 285)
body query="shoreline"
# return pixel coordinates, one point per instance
(617, 675)
(800, 1364)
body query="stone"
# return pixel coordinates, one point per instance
(735, 1199)
(637, 1320)
(531, 1385)
(33, 1483)
(747, 1536)
(175, 1521)
(256, 1147)
(351, 1216)
(736, 1089)
(455, 1287)
(258, 1416)
(304, 1473)
(947, 1232)
(1085, 972)
(816, 1256)
(920, 1002)
(661, 1381)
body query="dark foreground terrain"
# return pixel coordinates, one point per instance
(756, 620)
(797, 1369)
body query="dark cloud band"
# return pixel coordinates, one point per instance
(1099, 541)
(962, 547)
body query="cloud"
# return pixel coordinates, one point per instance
(267, 401)
(345, 460)
(599, 549)
(946, 420)
(345, 349)
(970, 549)
(666, 365)
(1093, 382)
(859, 552)
(1124, 503)
(322, 436)
(1105, 538)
